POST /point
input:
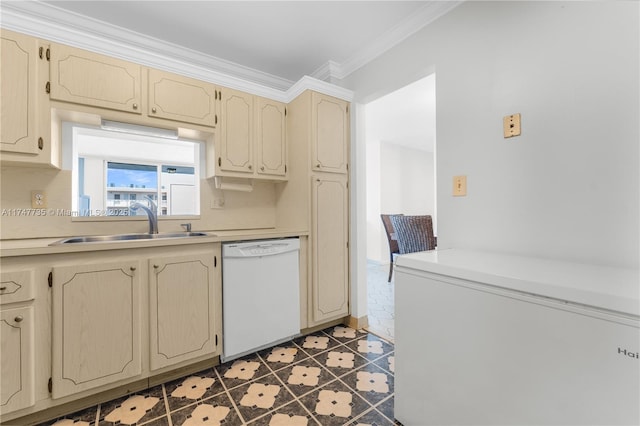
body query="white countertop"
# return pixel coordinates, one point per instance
(610, 288)
(37, 246)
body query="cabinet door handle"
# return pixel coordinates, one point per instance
(318, 166)
(19, 318)
(262, 168)
(156, 266)
(135, 106)
(250, 167)
(133, 268)
(3, 288)
(153, 110)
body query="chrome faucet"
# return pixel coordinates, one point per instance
(152, 214)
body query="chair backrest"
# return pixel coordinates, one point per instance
(391, 233)
(414, 233)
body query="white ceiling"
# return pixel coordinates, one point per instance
(405, 117)
(287, 39)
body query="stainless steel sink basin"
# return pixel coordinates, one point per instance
(128, 237)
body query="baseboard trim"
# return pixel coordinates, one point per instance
(357, 323)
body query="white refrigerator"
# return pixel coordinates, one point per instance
(492, 339)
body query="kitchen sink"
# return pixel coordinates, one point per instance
(128, 237)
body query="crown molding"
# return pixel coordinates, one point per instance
(46, 21)
(327, 70)
(405, 28)
(311, 83)
(57, 25)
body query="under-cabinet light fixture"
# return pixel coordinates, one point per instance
(136, 129)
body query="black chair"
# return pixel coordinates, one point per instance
(414, 233)
(391, 238)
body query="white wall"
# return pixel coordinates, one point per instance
(375, 232)
(399, 180)
(568, 188)
(406, 180)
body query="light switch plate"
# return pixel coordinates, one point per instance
(38, 200)
(459, 186)
(511, 125)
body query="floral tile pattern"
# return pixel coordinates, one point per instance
(260, 396)
(189, 390)
(136, 409)
(335, 377)
(371, 383)
(217, 410)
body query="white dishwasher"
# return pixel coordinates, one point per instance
(260, 294)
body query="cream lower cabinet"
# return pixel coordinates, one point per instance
(16, 357)
(96, 325)
(136, 314)
(17, 331)
(184, 295)
(329, 252)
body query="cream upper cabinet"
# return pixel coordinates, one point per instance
(236, 141)
(330, 253)
(182, 99)
(92, 79)
(330, 134)
(24, 115)
(19, 80)
(253, 138)
(271, 137)
(16, 358)
(184, 295)
(96, 325)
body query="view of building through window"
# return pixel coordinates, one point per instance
(155, 172)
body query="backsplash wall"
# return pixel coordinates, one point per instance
(241, 210)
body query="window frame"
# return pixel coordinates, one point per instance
(70, 158)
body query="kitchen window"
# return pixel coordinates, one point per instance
(117, 165)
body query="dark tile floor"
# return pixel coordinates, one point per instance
(338, 376)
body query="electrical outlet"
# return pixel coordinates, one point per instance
(511, 125)
(459, 186)
(38, 200)
(217, 203)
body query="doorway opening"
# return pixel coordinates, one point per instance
(400, 130)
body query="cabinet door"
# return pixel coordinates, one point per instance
(16, 357)
(19, 93)
(96, 325)
(236, 144)
(330, 255)
(271, 141)
(91, 79)
(183, 317)
(181, 98)
(329, 134)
